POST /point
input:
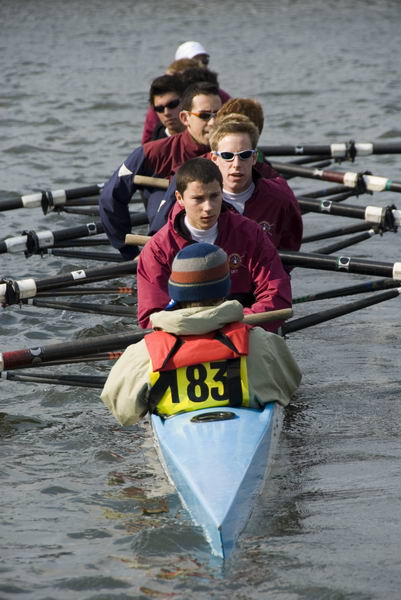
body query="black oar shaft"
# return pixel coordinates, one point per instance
(14, 291)
(350, 290)
(89, 381)
(98, 309)
(356, 239)
(34, 242)
(324, 235)
(33, 356)
(341, 263)
(87, 291)
(331, 191)
(48, 198)
(82, 255)
(333, 313)
(338, 150)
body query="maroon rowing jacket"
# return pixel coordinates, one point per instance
(258, 279)
(276, 209)
(166, 155)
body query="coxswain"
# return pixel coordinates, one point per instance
(200, 338)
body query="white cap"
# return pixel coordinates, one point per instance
(189, 50)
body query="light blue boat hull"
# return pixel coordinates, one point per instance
(218, 467)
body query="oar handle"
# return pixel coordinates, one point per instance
(131, 239)
(272, 315)
(157, 182)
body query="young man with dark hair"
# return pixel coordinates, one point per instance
(165, 98)
(203, 333)
(258, 279)
(160, 158)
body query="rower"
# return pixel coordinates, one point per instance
(160, 158)
(269, 202)
(251, 187)
(202, 354)
(258, 278)
(185, 59)
(165, 98)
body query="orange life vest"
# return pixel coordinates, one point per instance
(198, 371)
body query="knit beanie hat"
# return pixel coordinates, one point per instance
(199, 271)
(189, 50)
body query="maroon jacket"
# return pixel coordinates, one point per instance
(274, 206)
(258, 279)
(163, 157)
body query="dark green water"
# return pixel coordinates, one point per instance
(86, 512)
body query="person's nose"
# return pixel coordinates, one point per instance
(208, 206)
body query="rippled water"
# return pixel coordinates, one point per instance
(86, 511)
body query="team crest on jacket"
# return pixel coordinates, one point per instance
(267, 227)
(234, 261)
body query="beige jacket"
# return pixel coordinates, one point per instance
(273, 374)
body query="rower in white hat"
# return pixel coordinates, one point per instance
(192, 50)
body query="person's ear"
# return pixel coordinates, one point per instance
(213, 157)
(184, 116)
(179, 198)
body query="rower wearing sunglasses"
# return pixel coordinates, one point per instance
(165, 98)
(269, 202)
(161, 158)
(252, 188)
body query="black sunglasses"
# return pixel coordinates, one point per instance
(173, 104)
(205, 115)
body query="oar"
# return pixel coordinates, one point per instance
(116, 341)
(351, 241)
(35, 242)
(89, 381)
(101, 357)
(12, 291)
(317, 261)
(99, 309)
(336, 199)
(80, 243)
(88, 212)
(350, 179)
(359, 288)
(87, 291)
(331, 191)
(333, 313)
(347, 150)
(388, 217)
(324, 235)
(341, 263)
(53, 199)
(82, 255)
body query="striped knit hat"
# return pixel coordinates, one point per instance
(199, 272)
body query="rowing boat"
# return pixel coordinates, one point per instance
(218, 461)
